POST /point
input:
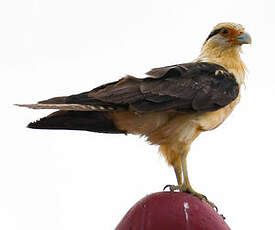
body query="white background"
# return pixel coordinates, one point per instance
(81, 180)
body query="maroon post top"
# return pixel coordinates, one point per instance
(172, 211)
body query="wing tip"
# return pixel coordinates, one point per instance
(33, 106)
(25, 105)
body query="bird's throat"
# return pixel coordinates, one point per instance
(229, 58)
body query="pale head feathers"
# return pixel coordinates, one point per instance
(230, 25)
(222, 47)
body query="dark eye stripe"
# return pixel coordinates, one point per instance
(213, 33)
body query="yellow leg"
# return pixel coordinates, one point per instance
(178, 171)
(186, 186)
(177, 165)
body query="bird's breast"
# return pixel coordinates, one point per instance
(211, 120)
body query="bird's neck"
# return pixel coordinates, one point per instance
(229, 58)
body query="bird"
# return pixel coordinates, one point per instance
(171, 106)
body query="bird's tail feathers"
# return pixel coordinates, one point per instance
(77, 120)
(71, 107)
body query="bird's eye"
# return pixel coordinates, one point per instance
(224, 31)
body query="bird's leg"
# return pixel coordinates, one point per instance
(186, 187)
(180, 168)
(178, 171)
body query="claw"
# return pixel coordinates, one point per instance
(216, 209)
(210, 203)
(171, 187)
(203, 197)
(167, 186)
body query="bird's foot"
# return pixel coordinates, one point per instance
(200, 196)
(189, 189)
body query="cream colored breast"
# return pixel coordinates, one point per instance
(211, 120)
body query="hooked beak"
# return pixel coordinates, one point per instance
(244, 38)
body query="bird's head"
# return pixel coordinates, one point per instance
(224, 41)
(227, 35)
(223, 46)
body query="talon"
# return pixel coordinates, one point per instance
(204, 197)
(211, 204)
(172, 187)
(167, 186)
(217, 210)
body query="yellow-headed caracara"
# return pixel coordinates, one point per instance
(171, 107)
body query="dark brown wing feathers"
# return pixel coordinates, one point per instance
(122, 92)
(185, 88)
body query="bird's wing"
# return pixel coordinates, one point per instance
(197, 86)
